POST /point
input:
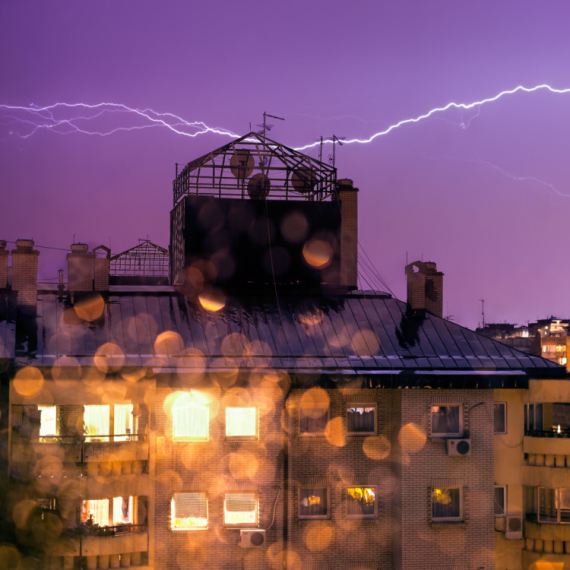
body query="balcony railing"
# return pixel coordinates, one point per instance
(553, 432)
(99, 438)
(116, 530)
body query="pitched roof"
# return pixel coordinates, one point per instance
(359, 333)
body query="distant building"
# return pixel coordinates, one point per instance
(261, 412)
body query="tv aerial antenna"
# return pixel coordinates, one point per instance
(267, 127)
(335, 139)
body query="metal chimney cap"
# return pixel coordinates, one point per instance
(79, 248)
(24, 244)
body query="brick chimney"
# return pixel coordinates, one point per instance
(80, 268)
(348, 198)
(3, 265)
(102, 261)
(25, 272)
(425, 287)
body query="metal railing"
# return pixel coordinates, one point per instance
(115, 530)
(553, 432)
(99, 438)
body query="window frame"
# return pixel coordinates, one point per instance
(362, 405)
(504, 404)
(243, 437)
(254, 524)
(362, 517)
(49, 437)
(314, 517)
(458, 519)
(173, 511)
(315, 434)
(557, 506)
(442, 435)
(505, 510)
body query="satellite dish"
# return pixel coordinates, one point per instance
(258, 187)
(242, 163)
(304, 179)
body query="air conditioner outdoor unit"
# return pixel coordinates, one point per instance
(458, 447)
(514, 528)
(253, 538)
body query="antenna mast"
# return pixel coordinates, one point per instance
(483, 311)
(265, 115)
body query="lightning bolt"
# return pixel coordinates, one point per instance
(46, 117)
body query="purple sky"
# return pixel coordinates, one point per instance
(468, 198)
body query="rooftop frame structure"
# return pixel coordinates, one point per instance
(144, 260)
(258, 167)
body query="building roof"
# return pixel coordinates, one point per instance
(359, 333)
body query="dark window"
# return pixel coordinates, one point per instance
(313, 420)
(500, 417)
(547, 505)
(446, 420)
(361, 502)
(446, 504)
(313, 502)
(500, 501)
(361, 419)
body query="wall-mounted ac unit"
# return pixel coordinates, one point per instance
(458, 447)
(251, 538)
(514, 527)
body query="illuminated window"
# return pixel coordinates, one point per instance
(191, 421)
(240, 509)
(447, 420)
(314, 503)
(446, 504)
(241, 422)
(361, 503)
(189, 511)
(96, 423)
(500, 414)
(48, 423)
(123, 427)
(122, 510)
(96, 511)
(313, 420)
(361, 419)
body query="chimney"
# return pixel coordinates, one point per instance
(80, 268)
(25, 272)
(425, 287)
(348, 198)
(102, 261)
(3, 265)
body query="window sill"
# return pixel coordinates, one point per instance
(456, 524)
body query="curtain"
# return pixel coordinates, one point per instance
(240, 508)
(360, 420)
(96, 420)
(122, 510)
(48, 422)
(360, 501)
(190, 421)
(123, 422)
(99, 509)
(241, 422)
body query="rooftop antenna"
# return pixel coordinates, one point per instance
(335, 139)
(483, 311)
(321, 150)
(265, 125)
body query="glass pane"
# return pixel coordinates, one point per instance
(500, 419)
(313, 502)
(360, 501)
(191, 421)
(241, 422)
(446, 503)
(538, 417)
(122, 510)
(123, 422)
(48, 422)
(531, 417)
(96, 423)
(240, 508)
(499, 500)
(561, 416)
(564, 505)
(96, 511)
(313, 420)
(445, 420)
(189, 510)
(360, 419)
(547, 505)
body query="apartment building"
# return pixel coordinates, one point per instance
(262, 412)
